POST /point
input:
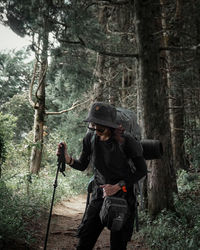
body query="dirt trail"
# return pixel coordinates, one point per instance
(66, 217)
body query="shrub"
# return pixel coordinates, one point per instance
(7, 125)
(179, 229)
(12, 225)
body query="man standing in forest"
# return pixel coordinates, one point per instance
(108, 152)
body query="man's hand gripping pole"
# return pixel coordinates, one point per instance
(61, 158)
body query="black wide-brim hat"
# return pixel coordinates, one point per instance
(103, 114)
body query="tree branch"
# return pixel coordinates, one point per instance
(113, 54)
(71, 42)
(74, 105)
(122, 2)
(117, 32)
(106, 53)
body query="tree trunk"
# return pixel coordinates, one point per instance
(161, 180)
(100, 61)
(176, 102)
(36, 154)
(176, 89)
(99, 75)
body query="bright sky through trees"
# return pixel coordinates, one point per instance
(9, 40)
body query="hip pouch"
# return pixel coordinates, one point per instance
(114, 212)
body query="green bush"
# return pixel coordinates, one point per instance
(187, 181)
(19, 107)
(24, 196)
(2, 147)
(12, 224)
(178, 229)
(7, 125)
(192, 150)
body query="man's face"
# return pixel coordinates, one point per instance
(100, 130)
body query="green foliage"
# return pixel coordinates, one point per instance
(19, 107)
(187, 181)
(14, 74)
(12, 213)
(178, 229)
(69, 78)
(68, 127)
(24, 196)
(7, 125)
(23, 16)
(74, 131)
(2, 146)
(192, 150)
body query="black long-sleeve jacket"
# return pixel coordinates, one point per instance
(110, 160)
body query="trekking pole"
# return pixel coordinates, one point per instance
(136, 216)
(136, 188)
(61, 168)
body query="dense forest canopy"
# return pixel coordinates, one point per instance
(140, 55)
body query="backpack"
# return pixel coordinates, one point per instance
(128, 121)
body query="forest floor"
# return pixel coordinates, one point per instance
(66, 217)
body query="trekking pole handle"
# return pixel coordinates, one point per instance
(61, 158)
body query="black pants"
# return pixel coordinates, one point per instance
(92, 228)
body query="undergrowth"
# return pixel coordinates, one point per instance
(179, 229)
(25, 197)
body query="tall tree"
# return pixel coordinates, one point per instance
(170, 69)
(161, 179)
(113, 71)
(39, 105)
(191, 75)
(99, 84)
(39, 18)
(32, 18)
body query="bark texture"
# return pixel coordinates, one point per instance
(161, 179)
(39, 118)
